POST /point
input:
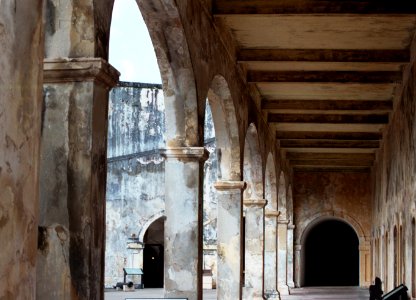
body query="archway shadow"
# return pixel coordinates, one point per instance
(332, 255)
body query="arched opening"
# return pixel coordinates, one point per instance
(153, 254)
(331, 255)
(131, 50)
(222, 211)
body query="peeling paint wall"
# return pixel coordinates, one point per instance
(135, 170)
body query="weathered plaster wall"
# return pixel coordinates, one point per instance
(323, 193)
(21, 53)
(135, 174)
(136, 119)
(395, 187)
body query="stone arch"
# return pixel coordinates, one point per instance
(282, 203)
(252, 167)
(314, 220)
(169, 41)
(226, 129)
(328, 215)
(270, 186)
(148, 222)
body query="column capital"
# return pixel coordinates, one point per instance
(271, 213)
(185, 153)
(298, 247)
(255, 202)
(283, 221)
(291, 226)
(226, 185)
(81, 69)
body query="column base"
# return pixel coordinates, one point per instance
(291, 284)
(283, 290)
(250, 294)
(272, 294)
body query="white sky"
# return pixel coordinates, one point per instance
(131, 49)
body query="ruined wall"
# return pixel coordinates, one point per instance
(395, 188)
(136, 175)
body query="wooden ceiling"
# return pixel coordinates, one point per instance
(327, 71)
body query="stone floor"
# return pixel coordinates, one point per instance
(338, 293)
(311, 293)
(151, 293)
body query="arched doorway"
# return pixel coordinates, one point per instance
(331, 255)
(153, 259)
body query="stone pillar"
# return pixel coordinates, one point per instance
(254, 242)
(21, 56)
(365, 263)
(73, 178)
(229, 268)
(270, 251)
(290, 266)
(298, 265)
(183, 225)
(282, 257)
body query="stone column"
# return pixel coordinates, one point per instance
(365, 263)
(298, 265)
(290, 278)
(183, 225)
(229, 268)
(254, 242)
(21, 56)
(270, 252)
(282, 257)
(73, 178)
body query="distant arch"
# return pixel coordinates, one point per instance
(148, 222)
(331, 254)
(329, 215)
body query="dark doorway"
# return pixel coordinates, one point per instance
(153, 255)
(331, 255)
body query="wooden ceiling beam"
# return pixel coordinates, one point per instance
(328, 144)
(329, 156)
(332, 162)
(328, 104)
(331, 169)
(324, 55)
(325, 76)
(312, 7)
(329, 118)
(325, 135)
